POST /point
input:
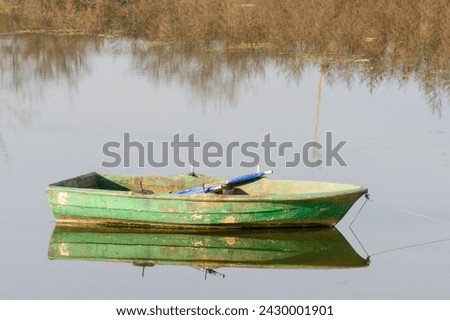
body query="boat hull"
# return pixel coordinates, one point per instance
(105, 207)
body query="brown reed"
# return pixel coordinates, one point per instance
(399, 28)
(377, 39)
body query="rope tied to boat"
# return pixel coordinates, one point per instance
(396, 209)
(409, 212)
(366, 195)
(409, 246)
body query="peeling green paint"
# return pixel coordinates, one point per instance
(117, 200)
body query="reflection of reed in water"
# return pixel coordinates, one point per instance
(368, 40)
(40, 58)
(3, 149)
(317, 116)
(213, 75)
(400, 28)
(29, 65)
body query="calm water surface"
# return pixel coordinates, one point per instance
(62, 98)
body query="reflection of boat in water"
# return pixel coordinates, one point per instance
(271, 248)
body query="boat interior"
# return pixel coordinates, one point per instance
(172, 184)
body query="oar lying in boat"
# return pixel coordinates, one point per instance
(217, 186)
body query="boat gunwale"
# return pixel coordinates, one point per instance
(211, 197)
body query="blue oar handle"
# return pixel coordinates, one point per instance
(230, 182)
(248, 177)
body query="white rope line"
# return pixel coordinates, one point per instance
(410, 246)
(410, 212)
(360, 209)
(402, 211)
(350, 226)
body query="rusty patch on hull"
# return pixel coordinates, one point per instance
(229, 219)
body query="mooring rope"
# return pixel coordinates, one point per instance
(360, 244)
(360, 209)
(354, 219)
(408, 211)
(410, 246)
(415, 214)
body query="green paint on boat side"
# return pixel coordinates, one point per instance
(270, 248)
(119, 200)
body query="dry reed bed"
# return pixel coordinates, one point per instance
(376, 40)
(402, 28)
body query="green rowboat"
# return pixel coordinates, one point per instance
(143, 201)
(267, 248)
